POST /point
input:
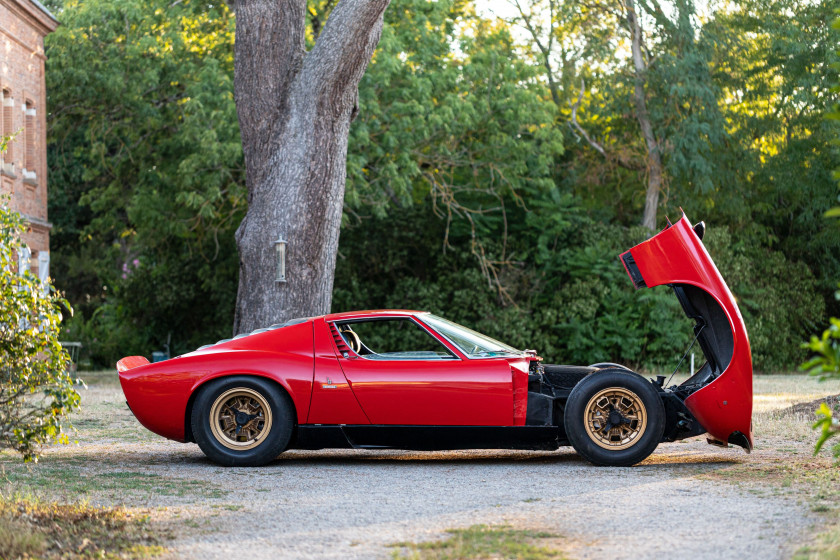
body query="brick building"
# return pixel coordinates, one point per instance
(23, 97)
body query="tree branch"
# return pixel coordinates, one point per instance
(274, 30)
(580, 129)
(658, 14)
(620, 159)
(344, 48)
(545, 51)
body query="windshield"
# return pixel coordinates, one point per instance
(471, 343)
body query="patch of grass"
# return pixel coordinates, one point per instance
(79, 481)
(482, 541)
(826, 546)
(31, 528)
(812, 478)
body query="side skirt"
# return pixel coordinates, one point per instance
(429, 438)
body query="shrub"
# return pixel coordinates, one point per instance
(36, 387)
(572, 299)
(825, 363)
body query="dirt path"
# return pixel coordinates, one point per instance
(353, 504)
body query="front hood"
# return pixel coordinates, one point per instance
(676, 257)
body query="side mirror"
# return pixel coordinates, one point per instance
(700, 229)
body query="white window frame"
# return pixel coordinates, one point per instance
(24, 260)
(44, 270)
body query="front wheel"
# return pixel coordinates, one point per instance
(242, 421)
(614, 417)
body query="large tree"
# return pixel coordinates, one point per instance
(295, 107)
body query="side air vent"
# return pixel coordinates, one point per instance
(339, 341)
(633, 270)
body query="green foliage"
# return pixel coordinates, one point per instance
(448, 111)
(463, 196)
(825, 363)
(829, 427)
(777, 73)
(36, 387)
(777, 297)
(147, 181)
(573, 300)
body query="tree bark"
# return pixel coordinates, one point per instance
(654, 159)
(295, 109)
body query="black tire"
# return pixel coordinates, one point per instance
(593, 434)
(271, 432)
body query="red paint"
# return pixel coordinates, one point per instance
(158, 393)
(333, 401)
(519, 371)
(432, 392)
(677, 256)
(304, 359)
(131, 362)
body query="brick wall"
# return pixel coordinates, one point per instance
(23, 169)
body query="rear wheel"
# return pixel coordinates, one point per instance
(614, 418)
(242, 421)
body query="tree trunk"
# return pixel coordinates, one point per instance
(654, 159)
(295, 109)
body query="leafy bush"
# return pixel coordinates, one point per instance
(826, 364)
(36, 388)
(779, 299)
(572, 300)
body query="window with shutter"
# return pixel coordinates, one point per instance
(7, 130)
(30, 135)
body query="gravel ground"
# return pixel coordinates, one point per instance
(353, 504)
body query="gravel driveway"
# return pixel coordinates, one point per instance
(353, 504)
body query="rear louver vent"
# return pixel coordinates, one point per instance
(339, 342)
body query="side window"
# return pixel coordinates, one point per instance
(392, 339)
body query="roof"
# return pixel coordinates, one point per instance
(44, 9)
(371, 313)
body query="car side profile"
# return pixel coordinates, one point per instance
(412, 380)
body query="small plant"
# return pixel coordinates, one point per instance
(826, 365)
(36, 387)
(33, 528)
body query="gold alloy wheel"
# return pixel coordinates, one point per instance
(240, 418)
(615, 418)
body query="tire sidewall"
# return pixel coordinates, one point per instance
(573, 417)
(282, 426)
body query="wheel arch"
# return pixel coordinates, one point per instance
(198, 387)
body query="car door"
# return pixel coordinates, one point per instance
(403, 375)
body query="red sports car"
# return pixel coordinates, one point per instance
(412, 380)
